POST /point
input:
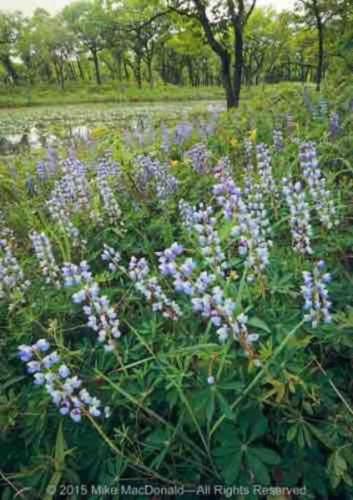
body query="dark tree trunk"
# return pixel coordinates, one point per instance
(138, 72)
(80, 69)
(73, 71)
(126, 70)
(96, 66)
(227, 81)
(239, 63)
(320, 56)
(61, 76)
(119, 60)
(150, 71)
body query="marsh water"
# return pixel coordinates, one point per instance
(40, 126)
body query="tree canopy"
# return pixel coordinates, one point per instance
(181, 42)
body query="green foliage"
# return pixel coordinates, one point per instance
(286, 423)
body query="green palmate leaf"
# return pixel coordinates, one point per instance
(292, 432)
(258, 429)
(339, 464)
(266, 455)
(230, 447)
(157, 438)
(259, 323)
(337, 468)
(231, 468)
(258, 468)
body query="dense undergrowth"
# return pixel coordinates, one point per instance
(168, 277)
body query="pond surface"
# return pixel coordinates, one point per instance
(41, 126)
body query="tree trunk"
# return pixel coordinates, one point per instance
(72, 71)
(239, 63)
(150, 71)
(96, 66)
(138, 71)
(227, 82)
(119, 60)
(321, 56)
(62, 79)
(79, 65)
(126, 69)
(111, 68)
(320, 33)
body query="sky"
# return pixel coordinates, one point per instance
(28, 6)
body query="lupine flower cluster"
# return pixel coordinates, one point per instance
(220, 311)
(248, 150)
(204, 225)
(187, 214)
(106, 167)
(278, 141)
(47, 263)
(153, 174)
(251, 233)
(255, 205)
(71, 194)
(321, 196)
(12, 278)
(75, 174)
(183, 132)
(299, 216)
(5, 232)
(49, 167)
(317, 304)
(150, 288)
(101, 316)
(64, 389)
(228, 195)
(110, 205)
(167, 259)
(335, 125)
(223, 168)
(112, 257)
(74, 275)
(207, 300)
(182, 273)
(200, 158)
(166, 139)
(265, 169)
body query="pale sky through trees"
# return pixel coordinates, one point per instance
(28, 6)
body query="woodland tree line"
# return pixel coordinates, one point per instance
(181, 42)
